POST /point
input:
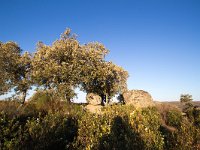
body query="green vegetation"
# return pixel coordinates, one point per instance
(186, 98)
(61, 67)
(50, 124)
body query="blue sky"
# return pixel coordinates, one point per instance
(156, 41)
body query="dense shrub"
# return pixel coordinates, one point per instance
(147, 123)
(196, 114)
(174, 118)
(72, 127)
(44, 100)
(9, 107)
(52, 131)
(186, 135)
(120, 128)
(12, 132)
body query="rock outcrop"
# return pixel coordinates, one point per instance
(94, 108)
(93, 99)
(94, 103)
(138, 98)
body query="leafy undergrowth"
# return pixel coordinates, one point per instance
(52, 124)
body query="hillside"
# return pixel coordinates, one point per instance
(180, 105)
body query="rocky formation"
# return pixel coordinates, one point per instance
(138, 98)
(93, 99)
(94, 108)
(94, 103)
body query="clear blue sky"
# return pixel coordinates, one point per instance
(156, 41)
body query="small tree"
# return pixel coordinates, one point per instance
(107, 80)
(186, 98)
(15, 69)
(188, 108)
(9, 56)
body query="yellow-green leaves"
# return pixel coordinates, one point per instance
(62, 66)
(57, 66)
(9, 56)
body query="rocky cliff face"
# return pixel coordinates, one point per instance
(138, 98)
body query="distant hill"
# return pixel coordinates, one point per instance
(180, 105)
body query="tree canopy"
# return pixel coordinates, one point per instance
(9, 56)
(186, 98)
(15, 69)
(61, 67)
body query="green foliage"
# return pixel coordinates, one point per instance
(185, 98)
(62, 67)
(196, 114)
(174, 118)
(52, 131)
(23, 80)
(9, 56)
(15, 69)
(72, 127)
(183, 138)
(47, 101)
(42, 99)
(9, 107)
(120, 127)
(40, 132)
(193, 114)
(67, 64)
(147, 123)
(105, 79)
(12, 133)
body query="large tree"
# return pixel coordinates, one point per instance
(66, 64)
(56, 66)
(61, 67)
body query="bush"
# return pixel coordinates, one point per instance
(47, 101)
(12, 132)
(146, 123)
(71, 127)
(120, 128)
(174, 118)
(52, 131)
(196, 114)
(9, 107)
(42, 99)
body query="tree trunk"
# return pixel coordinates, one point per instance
(102, 100)
(107, 99)
(23, 97)
(68, 99)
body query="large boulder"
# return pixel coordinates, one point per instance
(94, 108)
(138, 98)
(93, 99)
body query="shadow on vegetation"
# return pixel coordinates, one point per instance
(121, 137)
(62, 126)
(31, 129)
